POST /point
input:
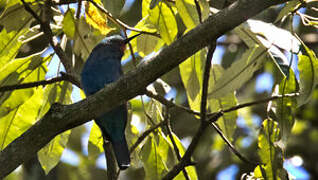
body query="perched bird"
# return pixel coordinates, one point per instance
(103, 67)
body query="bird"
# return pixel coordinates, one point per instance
(103, 66)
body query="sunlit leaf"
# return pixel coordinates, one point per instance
(191, 72)
(9, 46)
(96, 18)
(308, 75)
(154, 165)
(190, 169)
(69, 23)
(95, 142)
(22, 19)
(162, 17)
(269, 152)
(18, 115)
(271, 38)
(20, 71)
(240, 71)
(188, 13)
(50, 155)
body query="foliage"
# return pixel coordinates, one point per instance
(26, 56)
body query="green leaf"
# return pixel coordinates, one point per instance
(271, 39)
(50, 155)
(286, 106)
(191, 72)
(95, 142)
(114, 7)
(308, 75)
(227, 122)
(22, 19)
(188, 13)
(18, 115)
(85, 38)
(154, 110)
(154, 164)
(269, 153)
(9, 46)
(69, 23)
(190, 169)
(240, 71)
(20, 71)
(162, 17)
(288, 8)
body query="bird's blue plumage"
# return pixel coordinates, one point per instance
(101, 68)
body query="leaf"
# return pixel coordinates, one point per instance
(162, 17)
(114, 7)
(95, 142)
(308, 75)
(50, 155)
(191, 72)
(270, 38)
(288, 8)
(269, 153)
(154, 110)
(284, 108)
(9, 46)
(240, 71)
(97, 19)
(154, 165)
(188, 13)
(22, 19)
(85, 39)
(287, 106)
(69, 23)
(18, 115)
(20, 71)
(190, 169)
(227, 122)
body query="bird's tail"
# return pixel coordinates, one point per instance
(122, 153)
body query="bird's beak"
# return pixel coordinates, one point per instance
(131, 38)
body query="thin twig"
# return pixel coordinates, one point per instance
(231, 146)
(79, 8)
(197, 5)
(64, 77)
(175, 147)
(265, 100)
(49, 34)
(144, 135)
(120, 23)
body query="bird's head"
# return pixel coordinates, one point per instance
(117, 41)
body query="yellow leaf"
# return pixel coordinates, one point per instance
(97, 19)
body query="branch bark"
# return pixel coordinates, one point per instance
(63, 117)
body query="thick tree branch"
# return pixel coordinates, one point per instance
(63, 117)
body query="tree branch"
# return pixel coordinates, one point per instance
(63, 117)
(64, 77)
